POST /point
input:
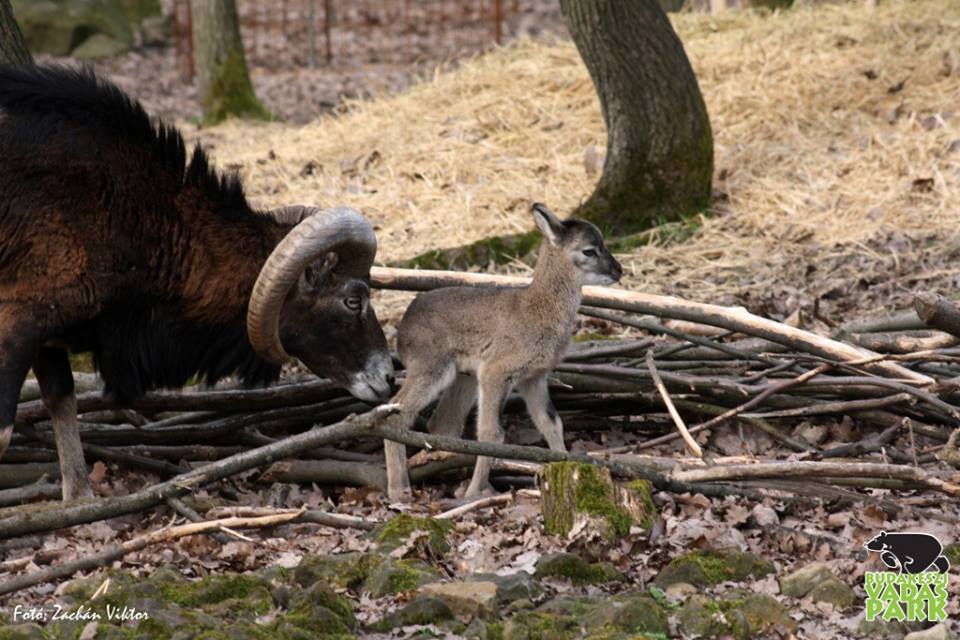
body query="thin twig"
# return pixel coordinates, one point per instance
(672, 410)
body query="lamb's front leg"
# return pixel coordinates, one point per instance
(493, 390)
(536, 395)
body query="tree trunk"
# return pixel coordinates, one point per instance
(659, 160)
(223, 81)
(13, 50)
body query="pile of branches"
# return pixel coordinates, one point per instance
(899, 374)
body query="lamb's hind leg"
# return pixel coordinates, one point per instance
(449, 417)
(52, 368)
(419, 389)
(493, 390)
(544, 415)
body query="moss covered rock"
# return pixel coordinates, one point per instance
(422, 610)
(431, 534)
(802, 581)
(578, 570)
(737, 614)
(514, 587)
(835, 592)
(952, 551)
(536, 625)
(709, 567)
(397, 576)
(343, 571)
(321, 595)
(21, 632)
(60, 26)
(633, 614)
(483, 253)
(466, 598)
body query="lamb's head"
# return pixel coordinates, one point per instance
(583, 244)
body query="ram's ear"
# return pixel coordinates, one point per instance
(550, 225)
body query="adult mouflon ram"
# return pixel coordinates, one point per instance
(113, 242)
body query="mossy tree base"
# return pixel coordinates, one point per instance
(583, 498)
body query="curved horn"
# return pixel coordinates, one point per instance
(341, 229)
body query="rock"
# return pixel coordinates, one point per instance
(476, 630)
(738, 614)
(343, 571)
(803, 580)
(399, 530)
(59, 26)
(397, 576)
(576, 606)
(578, 497)
(709, 567)
(680, 590)
(534, 625)
(877, 628)
(578, 570)
(137, 10)
(834, 591)
(99, 46)
(514, 587)
(936, 632)
(636, 614)
(321, 595)
(419, 611)
(22, 632)
(466, 599)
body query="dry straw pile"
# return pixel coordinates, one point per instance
(837, 156)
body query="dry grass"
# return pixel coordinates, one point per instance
(833, 129)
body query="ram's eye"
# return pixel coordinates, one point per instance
(354, 303)
(590, 253)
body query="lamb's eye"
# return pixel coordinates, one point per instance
(354, 303)
(590, 253)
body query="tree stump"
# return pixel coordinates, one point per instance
(578, 498)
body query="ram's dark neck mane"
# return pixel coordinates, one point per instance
(57, 114)
(44, 98)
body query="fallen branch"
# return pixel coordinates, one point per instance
(733, 319)
(83, 512)
(846, 469)
(312, 516)
(480, 503)
(336, 472)
(118, 551)
(41, 489)
(938, 312)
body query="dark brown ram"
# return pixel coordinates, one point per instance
(112, 242)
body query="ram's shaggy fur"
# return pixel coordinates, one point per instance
(116, 243)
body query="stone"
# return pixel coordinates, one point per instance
(398, 531)
(805, 579)
(397, 576)
(936, 632)
(576, 569)
(637, 614)
(155, 31)
(321, 595)
(513, 587)
(680, 590)
(343, 571)
(465, 598)
(99, 46)
(535, 625)
(835, 592)
(22, 632)
(737, 614)
(422, 610)
(709, 567)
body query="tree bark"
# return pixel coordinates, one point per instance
(223, 81)
(13, 50)
(659, 162)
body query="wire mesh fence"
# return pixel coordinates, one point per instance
(291, 34)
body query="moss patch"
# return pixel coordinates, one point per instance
(397, 576)
(576, 569)
(738, 614)
(343, 571)
(709, 567)
(496, 250)
(397, 531)
(231, 93)
(535, 625)
(574, 489)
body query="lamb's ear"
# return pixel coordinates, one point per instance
(550, 225)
